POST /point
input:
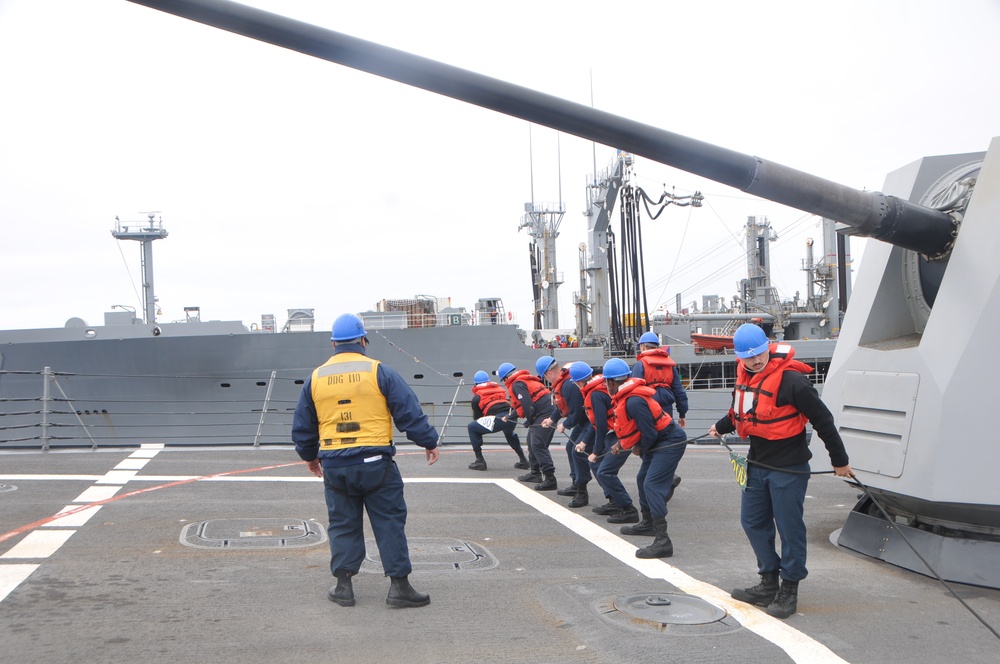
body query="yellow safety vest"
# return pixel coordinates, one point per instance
(351, 409)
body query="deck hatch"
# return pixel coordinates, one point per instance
(436, 553)
(669, 613)
(252, 533)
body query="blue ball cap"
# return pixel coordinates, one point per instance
(616, 368)
(347, 327)
(544, 363)
(580, 371)
(505, 369)
(749, 341)
(481, 377)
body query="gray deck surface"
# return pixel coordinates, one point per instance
(124, 588)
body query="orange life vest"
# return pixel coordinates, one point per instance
(626, 428)
(557, 392)
(490, 394)
(657, 367)
(536, 389)
(595, 384)
(755, 410)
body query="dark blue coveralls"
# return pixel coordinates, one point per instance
(365, 478)
(575, 424)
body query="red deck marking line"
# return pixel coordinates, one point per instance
(41, 522)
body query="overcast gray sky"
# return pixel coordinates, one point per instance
(286, 181)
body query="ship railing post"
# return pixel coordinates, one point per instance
(46, 399)
(451, 407)
(76, 413)
(263, 411)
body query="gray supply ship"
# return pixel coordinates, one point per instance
(135, 380)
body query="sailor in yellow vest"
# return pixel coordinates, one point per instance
(342, 429)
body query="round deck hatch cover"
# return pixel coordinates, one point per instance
(669, 609)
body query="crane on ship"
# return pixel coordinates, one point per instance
(611, 306)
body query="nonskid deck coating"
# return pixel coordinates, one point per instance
(114, 583)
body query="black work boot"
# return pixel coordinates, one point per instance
(605, 509)
(522, 464)
(567, 490)
(547, 484)
(625, 515)
(762, 594)
(343, 592)
(673, 485)
(581, 498)
(402, 595)
(532, 476)
(644, 527)
(786, 601)
(479, 463)
(661, 547)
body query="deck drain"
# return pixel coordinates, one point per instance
(670, 613)
(442, 553)
(252, 533)
(7, 487)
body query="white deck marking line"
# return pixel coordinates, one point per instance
(133, 464)
(11, 576)
(39, 544)
(117, 477)
(61, 478)
(74, 520)
(97, 493)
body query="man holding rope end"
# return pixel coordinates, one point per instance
(772, 402)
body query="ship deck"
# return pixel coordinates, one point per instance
(212, 554)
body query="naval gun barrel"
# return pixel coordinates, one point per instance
(873, 214)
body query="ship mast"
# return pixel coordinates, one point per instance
(542, 221)
(144, 234)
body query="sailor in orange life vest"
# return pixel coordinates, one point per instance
(655, 366)
(342, 429)
(491, 412)
(532, 401)
(772, 402)
(569, 404)
(595, 443)
(598, 443)
(645, 429)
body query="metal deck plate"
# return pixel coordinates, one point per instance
(252, 533)
(437, 553)
(674, 613)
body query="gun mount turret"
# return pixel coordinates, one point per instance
(908, 381)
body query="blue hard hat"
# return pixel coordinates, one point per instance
(347, 327)
(616, 368)
(544, 363)
(650, 338)
(580, 371)
(505, 369)
(749, 341)
(481, 377)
